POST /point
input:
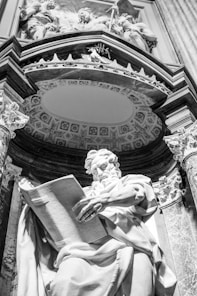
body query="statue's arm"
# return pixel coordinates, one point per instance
(127, 195)
(120, 195)
(29, 11)
(145, 31)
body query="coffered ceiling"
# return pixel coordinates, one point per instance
(87, 114)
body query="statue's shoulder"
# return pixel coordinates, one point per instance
(136, 178)
(87, 188)
(91, 188)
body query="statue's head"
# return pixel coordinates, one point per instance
(125, 20)
(84, 15)
(102, 164)
(51, 4)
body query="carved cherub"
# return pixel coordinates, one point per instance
(37, 18)
(95, 57)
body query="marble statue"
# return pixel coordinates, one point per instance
(40, 19)
(137, 33)
(125, 262)
(129, 28)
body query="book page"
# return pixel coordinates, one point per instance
(53, 201)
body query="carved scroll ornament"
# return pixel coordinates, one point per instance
(169, 189)
(10, 116)
(183, 143)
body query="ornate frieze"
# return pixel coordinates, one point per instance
(96, 60)
(46, 19)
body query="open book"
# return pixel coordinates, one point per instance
(52, 202)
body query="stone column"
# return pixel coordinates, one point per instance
(180, 235)
(183, 145)
(8, 277)
(10, 120)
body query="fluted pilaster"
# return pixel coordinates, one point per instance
(181, 21)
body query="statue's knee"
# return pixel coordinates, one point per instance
(58, 283)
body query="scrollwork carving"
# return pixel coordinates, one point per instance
(183, 143)
(10, 116)
(10, 172)
(169, 189)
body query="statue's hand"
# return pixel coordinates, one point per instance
(25, 184)
(89, 207)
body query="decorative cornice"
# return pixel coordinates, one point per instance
(186, 96)
(61, 45)
(68, 43)
(181, 118)
(12, 74)
(87, 63)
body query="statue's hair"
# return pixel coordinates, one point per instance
(92, 154)
(51, 1)
(85, 9)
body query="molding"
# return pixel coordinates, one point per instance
(181, 118)
(109, 66)
(179, 110)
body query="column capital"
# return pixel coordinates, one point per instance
(10, 116)
(169, 189)
(183, 143)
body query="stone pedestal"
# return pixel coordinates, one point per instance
(180, 235)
